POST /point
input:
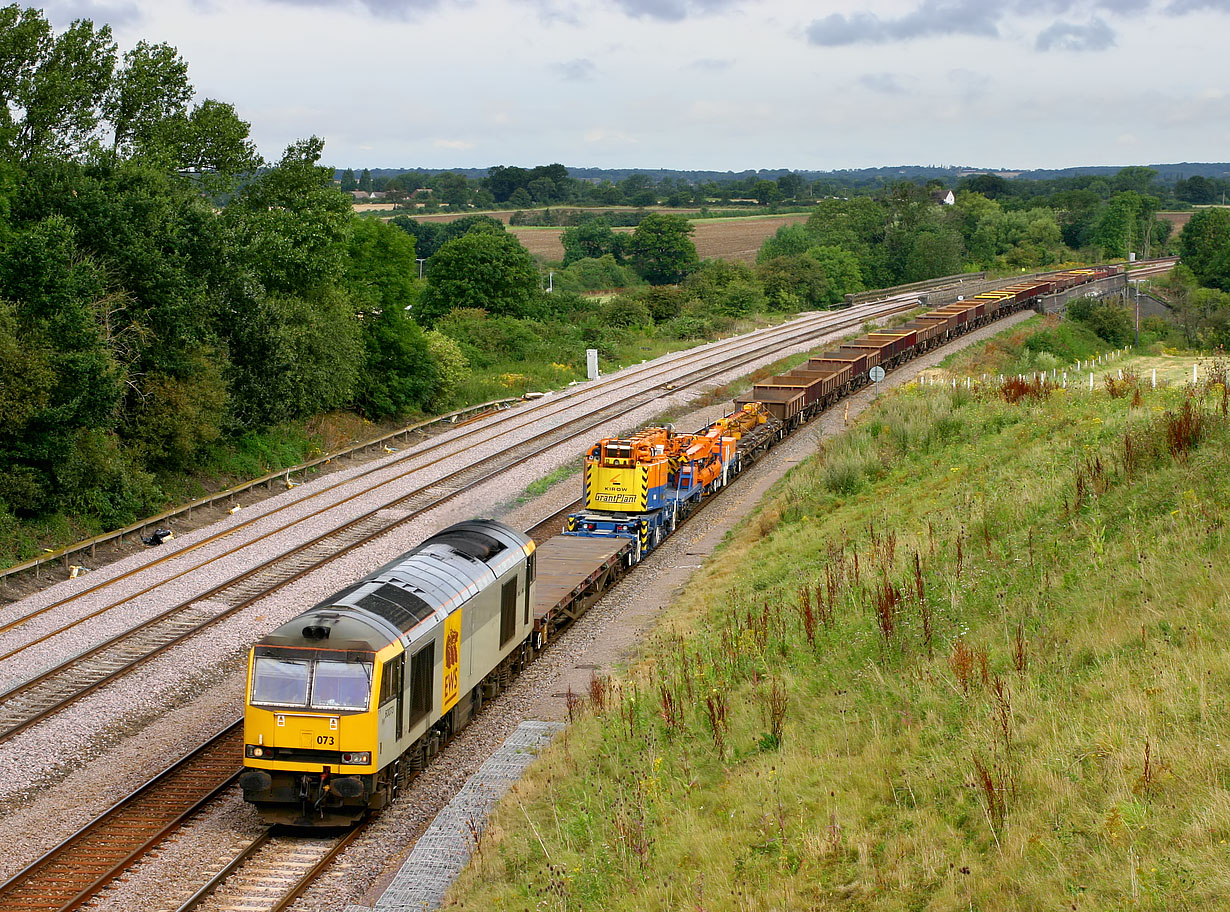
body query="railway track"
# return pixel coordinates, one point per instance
(268, 874)
(504, 424)
(271, 873)
(72, 872)
(38, 698)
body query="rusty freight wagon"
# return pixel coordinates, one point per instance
(852, 358)
(811, 385)
(785, 403)
(827, 385)
(900, 345)
(928, 332)
(883, 349)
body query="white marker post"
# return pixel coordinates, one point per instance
(1091, 383)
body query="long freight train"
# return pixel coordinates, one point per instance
(348, 700)
(641, 487)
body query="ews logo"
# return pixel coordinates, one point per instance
(452, 661)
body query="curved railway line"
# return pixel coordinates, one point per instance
(70, 874)
(31, 701)
(269, 873)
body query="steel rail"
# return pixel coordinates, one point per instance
(545, 408)
(68, 875)
(43, 694)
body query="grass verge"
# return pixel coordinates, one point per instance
(983, 669)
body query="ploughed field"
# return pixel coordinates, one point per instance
(737, 239)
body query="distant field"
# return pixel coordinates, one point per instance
(736, 239)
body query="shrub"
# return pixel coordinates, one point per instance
(624, 311)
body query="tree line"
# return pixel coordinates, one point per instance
(163, 291)
(514, 187)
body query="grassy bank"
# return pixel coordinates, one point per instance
(972, 657)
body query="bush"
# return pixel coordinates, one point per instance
(740, 299)
(623, 311)
(452, 368)
(848, 462)
(595, 274)
(99, 479)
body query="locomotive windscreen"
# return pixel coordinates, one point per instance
(396, 605)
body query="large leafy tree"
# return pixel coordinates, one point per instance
(1205, 246)
(593, 238)
(483, 269)
(661, 250)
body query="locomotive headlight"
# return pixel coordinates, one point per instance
(357, 758)
(257, 752)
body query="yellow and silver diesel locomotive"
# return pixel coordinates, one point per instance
(349, 699)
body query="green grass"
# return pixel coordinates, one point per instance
(540, 486)
(1039, 343)
(989, 674)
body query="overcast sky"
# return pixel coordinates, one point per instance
(707, 84)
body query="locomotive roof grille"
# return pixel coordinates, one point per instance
(397, 606)
(470, 543)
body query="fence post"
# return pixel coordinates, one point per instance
(1155, 378)
(1091, 383)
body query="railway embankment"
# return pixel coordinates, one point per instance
(972, 654)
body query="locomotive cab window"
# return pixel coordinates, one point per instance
(341, 685)
(280, 682)
(508, 611)
(390, 679)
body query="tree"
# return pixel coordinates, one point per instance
(842, 272)
(399, 372)
(661, 250)
(381, 270)
(290, 224)
(790, 186)
(766, 192)
(365, 181)
(992, 186)
(482, 269)
(591, 239)
(793, 282)
(1196, 189)
(453, 189)
(349, 181)
(52, 88)
(1205, 246)
(147, 102)
(503, 181)
(542, 190)
(1135, 178)
(215, 139)
(787, 241)
(294, 357)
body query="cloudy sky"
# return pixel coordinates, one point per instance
(709, 84)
